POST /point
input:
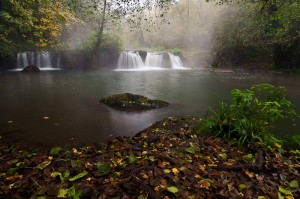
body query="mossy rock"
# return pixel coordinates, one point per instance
(129, 101)
(31, 69)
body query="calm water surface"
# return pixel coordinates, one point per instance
(50, 108)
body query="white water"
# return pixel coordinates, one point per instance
(43, 60)
(22, 60)
(176, 62)
(132, 61)
(154, 60)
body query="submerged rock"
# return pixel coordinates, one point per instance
(129, 101)
(31, 69)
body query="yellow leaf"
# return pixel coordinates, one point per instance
(289, 197)
(204, 184)
(277, 145)
(202, 168)
(197, 176)
(75, 150)
(175, 171)
(249, 173)
(15, 177)
(156, 188)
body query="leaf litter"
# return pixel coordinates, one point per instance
(166, 160)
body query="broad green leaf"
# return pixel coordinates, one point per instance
(284, 191)
(54, 174)
(172, 189)
(62, 193)
(249, 158)
(73, 193)
(132, 159)
(261, 197)
(190, 150)
(167, 170)
(78, 176)
(294, 184)
(223, 155)
(242, 186)
(54, 150)
(103, 169)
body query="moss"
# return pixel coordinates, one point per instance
(129, 101)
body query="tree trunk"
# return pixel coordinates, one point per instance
(97, 47)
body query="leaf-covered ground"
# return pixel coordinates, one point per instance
(166, 160)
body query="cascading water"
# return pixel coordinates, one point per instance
(176, 61)
(43, 60)
(22, 60)
(154, 60)
(131, 60)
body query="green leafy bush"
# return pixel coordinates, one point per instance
(176, 51)
(250, 116)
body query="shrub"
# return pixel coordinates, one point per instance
(250, 116)
(176, 51)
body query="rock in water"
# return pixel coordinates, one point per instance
(31, 69)
(129, 101)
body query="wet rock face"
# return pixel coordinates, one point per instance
(129, 101)
(31, 69)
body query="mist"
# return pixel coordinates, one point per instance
(189, 25)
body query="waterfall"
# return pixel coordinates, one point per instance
(154, 60)
(22, 60)
(130, 60)
(42, 59)
(176, 61)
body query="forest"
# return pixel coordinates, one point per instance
(149, 99)
(218, 33)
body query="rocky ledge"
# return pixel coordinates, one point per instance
(129, 101)
(31, 69)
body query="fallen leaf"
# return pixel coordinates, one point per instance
(175, 171)
(204, 184)
(43, 164)
(202, 168)
(294, 184)
(172, 189)
(78, 176)
(242, 186)
(15, 177)
(285, 191)
(163, 183)
(62, 193)
(249, 173)
(197, 176)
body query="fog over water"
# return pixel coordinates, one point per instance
(50, 108)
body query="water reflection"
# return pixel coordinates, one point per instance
(69, 101)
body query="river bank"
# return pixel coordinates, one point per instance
(166, 160)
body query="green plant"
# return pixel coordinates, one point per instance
(250, 116)
(176, 51)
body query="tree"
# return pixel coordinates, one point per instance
(266, 24)
(33, 25)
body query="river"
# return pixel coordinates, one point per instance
(53, 107)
